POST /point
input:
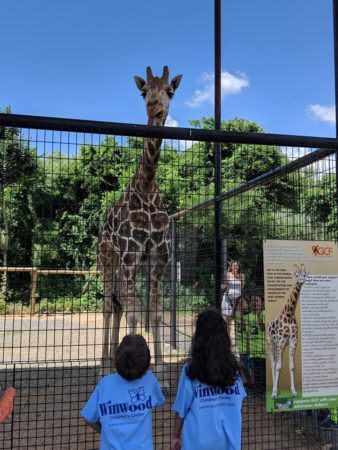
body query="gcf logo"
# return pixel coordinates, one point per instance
(317, 250)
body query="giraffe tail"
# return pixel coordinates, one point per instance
(116, 304)
(115, 297)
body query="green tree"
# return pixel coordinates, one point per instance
(17, 169)
(320, 204)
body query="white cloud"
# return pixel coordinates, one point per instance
(230, 84)
(182, 145)
(323, 113)
(170, 122)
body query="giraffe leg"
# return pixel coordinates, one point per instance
(156, 275)
(292, 348)
(128, 296)
(106, 363)
(278, 367)
(117, 315)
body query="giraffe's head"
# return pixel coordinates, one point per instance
(300, 273)
(157, 93)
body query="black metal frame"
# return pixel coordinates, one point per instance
(136, 130)
(321, 148)
(324, 147)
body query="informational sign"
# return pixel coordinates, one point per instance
(301, 300)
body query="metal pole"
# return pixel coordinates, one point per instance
(147, 315)
(267, 177)
(335, 49)
(173, 281)
(218, 159)
(224, 258)
(184, 134)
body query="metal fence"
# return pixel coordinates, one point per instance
(58, 179)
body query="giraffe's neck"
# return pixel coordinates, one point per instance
(291, 304)
(148, 164)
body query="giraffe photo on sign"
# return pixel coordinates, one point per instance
(301, 292)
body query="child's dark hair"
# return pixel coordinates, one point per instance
(212, 361)
(132, 357)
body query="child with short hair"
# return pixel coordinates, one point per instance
(210, 391)
(120, 406)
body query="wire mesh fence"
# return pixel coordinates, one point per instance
(57, 186)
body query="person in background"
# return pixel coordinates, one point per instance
(120, 406)
(6, 403)
(328, 419)
(232, 290)
(210, 391)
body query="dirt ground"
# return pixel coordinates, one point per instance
(54, 364)
(49, 400)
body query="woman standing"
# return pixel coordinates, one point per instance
(233, 288)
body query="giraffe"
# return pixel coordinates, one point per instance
(282, 331)
(136, 229)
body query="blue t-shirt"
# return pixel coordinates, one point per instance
(123, 409)
(212, 416)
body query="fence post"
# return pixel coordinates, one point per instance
(34, 282)
(173, 282)
(224, 259)
(147, 315)
(218, 155)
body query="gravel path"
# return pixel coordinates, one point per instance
(72, 337)
(54, 363)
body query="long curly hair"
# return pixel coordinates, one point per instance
(212, 361)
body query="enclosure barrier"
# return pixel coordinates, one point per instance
(35, 272)
(273, 187)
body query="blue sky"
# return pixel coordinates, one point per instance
(77, 58)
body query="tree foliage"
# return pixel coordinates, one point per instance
(53, 203)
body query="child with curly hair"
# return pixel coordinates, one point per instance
(210, 391)
(120, 406)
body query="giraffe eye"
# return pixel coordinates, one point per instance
(144, 91)
(170, 92)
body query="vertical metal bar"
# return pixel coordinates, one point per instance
(173, 281)
(224, 259)
(34, 283)
(147, 315)
(335, 47)
(218, 159)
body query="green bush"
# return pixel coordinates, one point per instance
(67, 305)
(188, 298)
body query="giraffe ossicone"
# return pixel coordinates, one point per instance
(282, 331)
(136, 229)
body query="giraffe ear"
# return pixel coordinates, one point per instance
(175, 82)
(140, 82)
